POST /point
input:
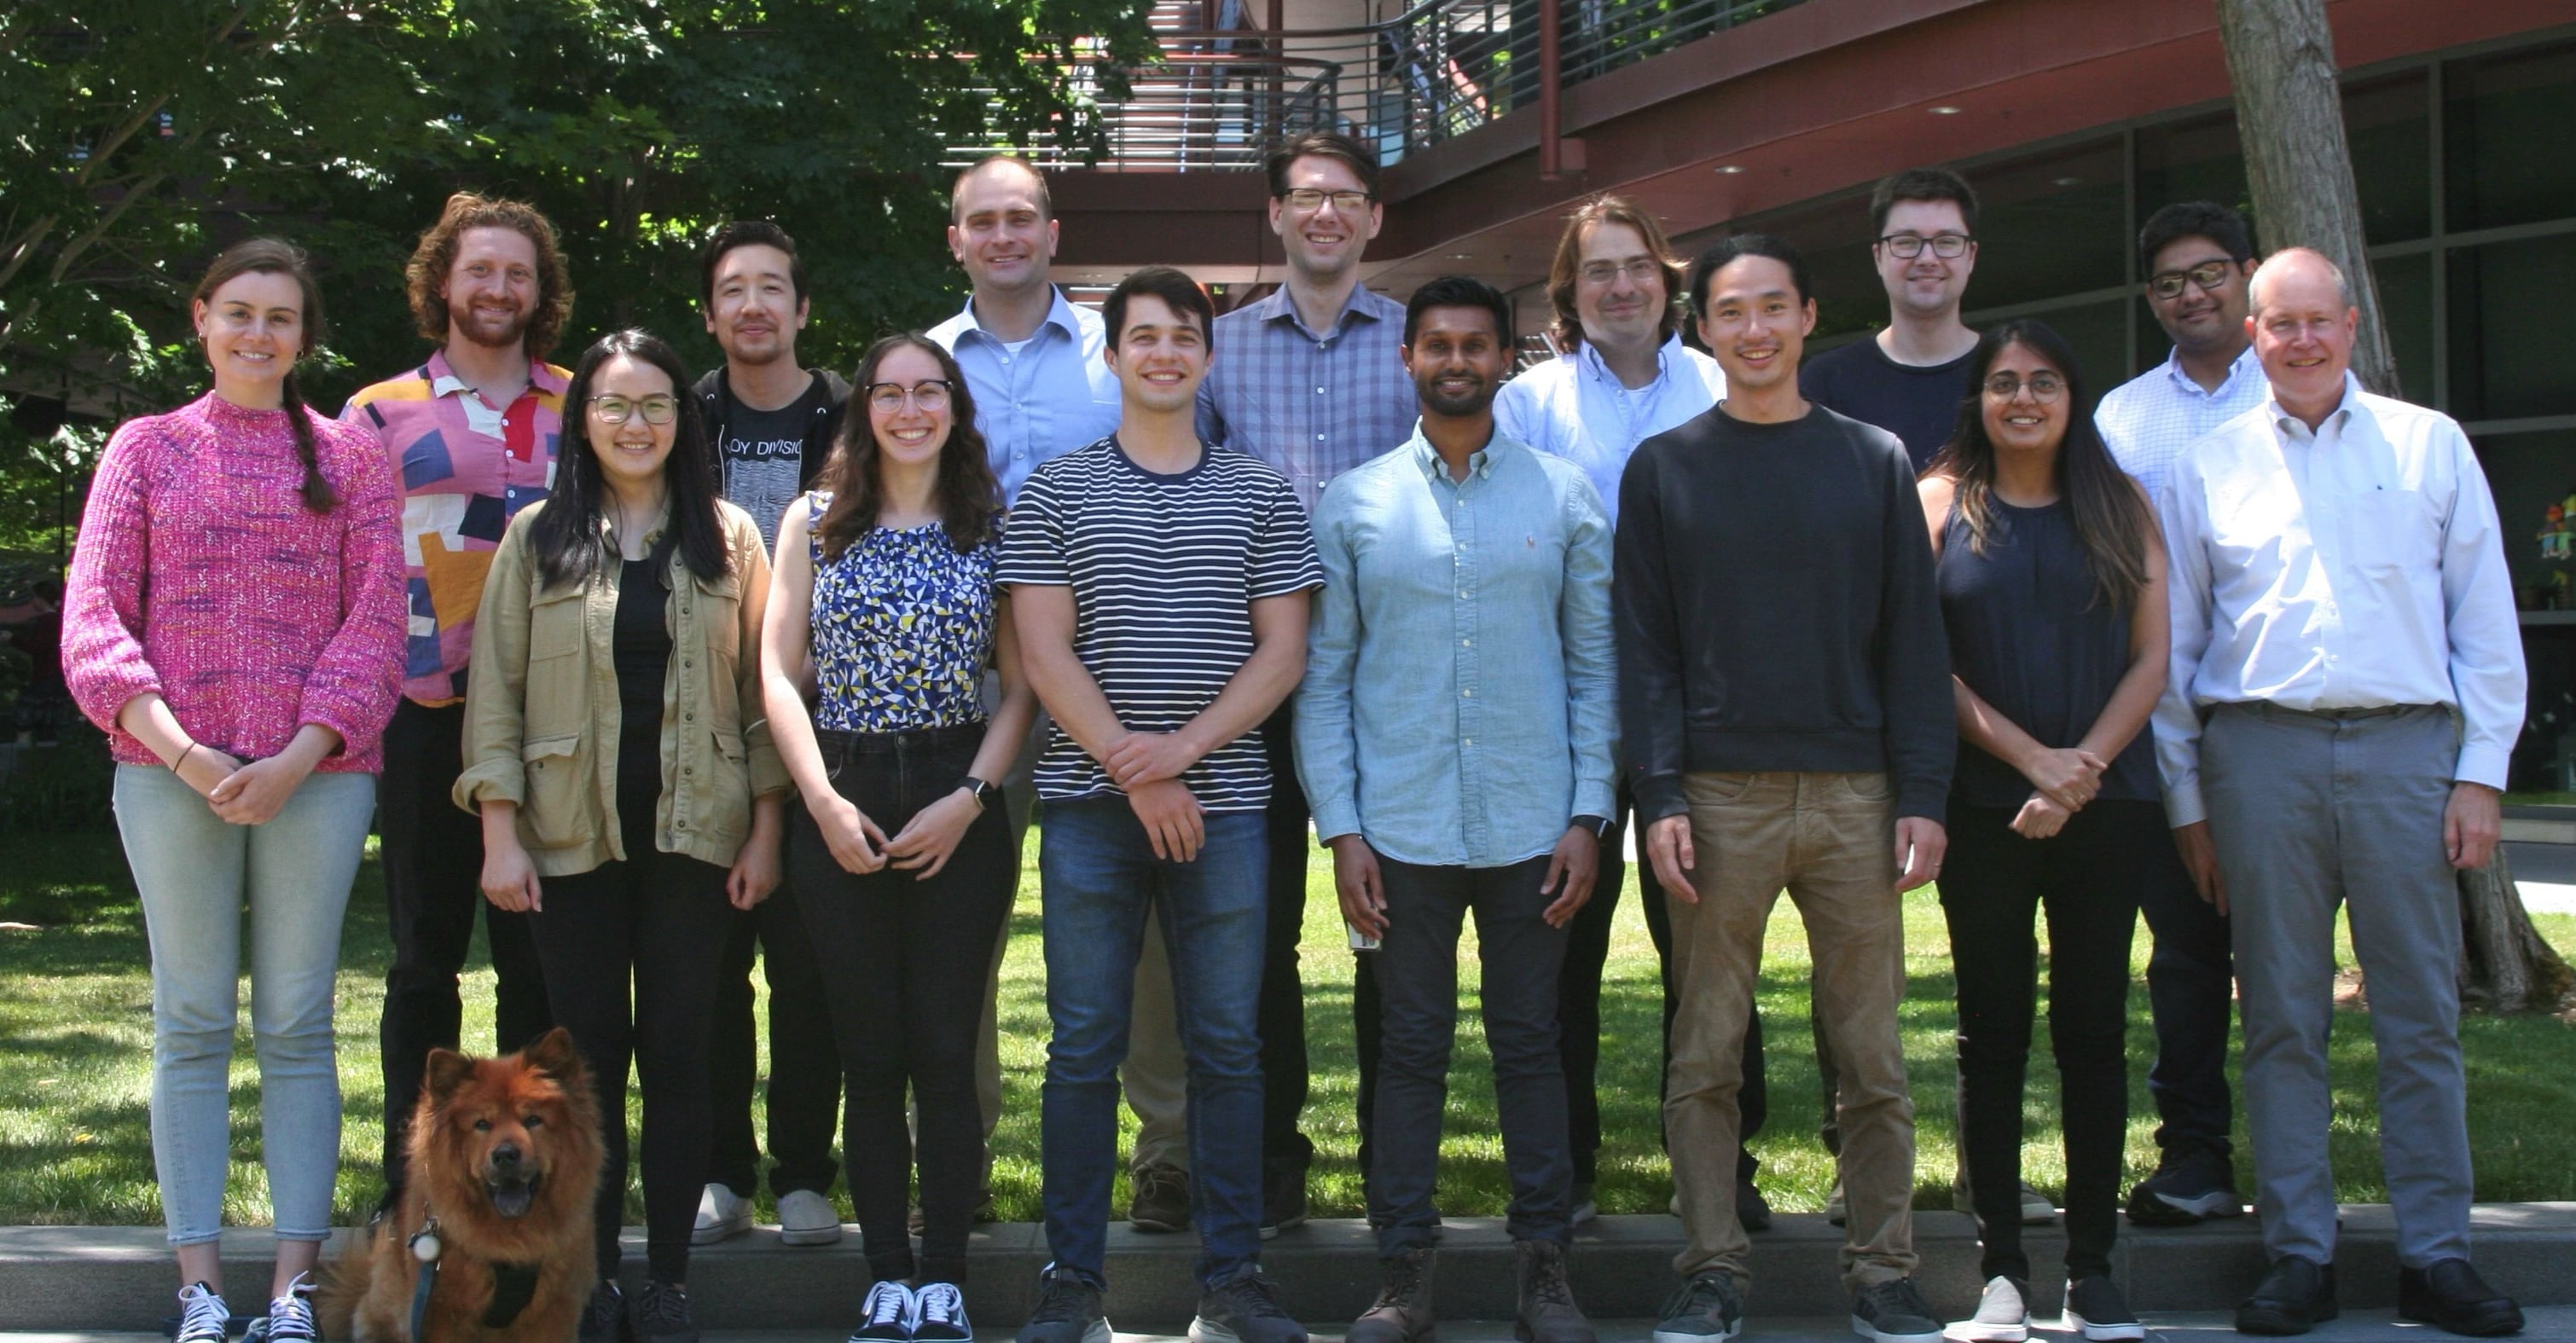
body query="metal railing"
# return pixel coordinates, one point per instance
(1218, 99)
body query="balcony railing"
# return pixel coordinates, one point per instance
(1219, 98)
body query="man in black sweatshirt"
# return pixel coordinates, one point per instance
(1786, 717)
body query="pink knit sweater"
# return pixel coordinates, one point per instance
(201, 575)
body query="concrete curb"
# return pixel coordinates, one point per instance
(120, 1278)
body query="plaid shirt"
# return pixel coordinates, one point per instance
(1310, 404)
(467, 469)
(2147, 421)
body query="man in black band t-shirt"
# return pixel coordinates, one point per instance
(1910, 378)
(771, 424)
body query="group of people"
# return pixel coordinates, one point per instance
(669, 677)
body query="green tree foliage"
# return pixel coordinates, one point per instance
(138, 136)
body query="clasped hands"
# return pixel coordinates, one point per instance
(2063, 780)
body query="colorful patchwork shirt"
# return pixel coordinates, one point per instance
(467, 468)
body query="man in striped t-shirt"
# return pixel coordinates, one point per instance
(1160, 588)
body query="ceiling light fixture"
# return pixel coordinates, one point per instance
(1730, 169)
(1944, 110)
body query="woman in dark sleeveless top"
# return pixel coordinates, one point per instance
(2051, 579)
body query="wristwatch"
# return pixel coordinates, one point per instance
(976, 788)
(1598, 825)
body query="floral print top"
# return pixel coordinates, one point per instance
(902, 628)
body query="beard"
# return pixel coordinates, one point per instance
(487, 330)
(1455, 407)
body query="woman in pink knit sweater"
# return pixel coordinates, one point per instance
(235, 623)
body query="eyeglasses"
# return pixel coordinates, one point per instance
(1345, 202)
(657, 409)
(929, 396)
(2043, 387)
(1911, 245)
(1639, 270)
(2208, 275)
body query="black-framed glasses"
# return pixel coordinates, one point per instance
(1345, 202)
(929, 396)
(659, 408)
(2043, 387)
(1946, 246)
(2208, 276)
(1640, 270)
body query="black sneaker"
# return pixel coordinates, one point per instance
(2096, 1309)
(885, 1315)
(661, 1315)
(2193, 1182)
(1894, 1311)
(1283, 1203)
(1752, 1211)
(1068, 1311)
(1244, 1309)
(290, 1317)
(203, 1316)
(939, 1315)
(604, 1319)
(1162, 1197)
(1707, 1309)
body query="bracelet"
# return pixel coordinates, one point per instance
(182, 761)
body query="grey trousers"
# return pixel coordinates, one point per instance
(2310, 811)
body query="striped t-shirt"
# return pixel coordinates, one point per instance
(1164, 570)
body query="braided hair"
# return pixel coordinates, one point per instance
(273, 256)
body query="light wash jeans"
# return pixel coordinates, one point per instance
(194, 872)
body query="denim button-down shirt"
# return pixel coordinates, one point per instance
(1459, 706)
(1055, 395)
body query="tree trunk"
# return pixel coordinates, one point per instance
(2504, 965)
(2289, 116)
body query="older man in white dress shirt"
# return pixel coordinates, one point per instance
(2347, 681)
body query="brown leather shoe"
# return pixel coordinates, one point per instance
(1403, 1310)
(1547, 1311)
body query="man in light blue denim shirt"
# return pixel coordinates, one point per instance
(1455, 736)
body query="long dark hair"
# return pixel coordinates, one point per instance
(272, 256)
(565, 537)
(969, 497)
(2109, 513)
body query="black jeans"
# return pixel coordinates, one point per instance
(2191, 987)
(651, 925)
(433, 866)
(1417, 981)
(1285, 1152)
(2087, 878)
(904, 960)
(804, 1068)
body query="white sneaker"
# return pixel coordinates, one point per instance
(804, 1218)
(2003, 1315)
(721, 1213)
(890, 1309)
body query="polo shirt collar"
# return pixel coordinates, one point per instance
(444, 382)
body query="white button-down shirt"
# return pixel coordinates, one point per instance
(1575, 407)
(1034, 404)
(2148, 420)
(2357, 566)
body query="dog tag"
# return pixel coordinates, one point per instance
(424, 1245)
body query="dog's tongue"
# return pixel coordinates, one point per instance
(511, 1198)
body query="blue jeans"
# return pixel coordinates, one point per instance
(194, 872)
(1101, 879)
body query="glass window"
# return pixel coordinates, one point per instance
(2391, 141)
(2051, 224)
(2504, 138)
(2406, 309)
(2194, 160)
(2528, 473)
(2508, 329)
(2098, 333)
(1833, 235)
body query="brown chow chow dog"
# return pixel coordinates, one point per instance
(505, 1156)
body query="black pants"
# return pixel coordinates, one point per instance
(804, 1068)
(2191, 987)
(433, 865)
(653, 925)
(903, 966)
(1285, 1152)
(2086, 878)
(1416, 973)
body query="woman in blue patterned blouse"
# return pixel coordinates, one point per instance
(901, 855)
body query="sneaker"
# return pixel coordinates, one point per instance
(1283, 1204)
(2095, 1309)
(1068, 1311)
(1244, 1309)
(1836, 1211)
(1546, 1312)
(2036, 1209)
(290, 1317)
(604, 1319)
(805, 1217)
(2003, 1314)
(1579, 1205)
(1707, 1309)
(661, 1315)
(721, 1213)
(1752, 1211)
(1402, 1313)
(939, 1313)
(203, 1316)
(1894, 1311)
(2192, 1183)
(1162, 1197)
(886, 1314)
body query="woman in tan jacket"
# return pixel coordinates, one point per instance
(616, 751)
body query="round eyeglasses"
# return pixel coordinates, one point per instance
(929, 396)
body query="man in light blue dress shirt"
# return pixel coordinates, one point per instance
(1454, 733)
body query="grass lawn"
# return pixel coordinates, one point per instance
(75, 1064)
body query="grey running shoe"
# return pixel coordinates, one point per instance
(1244, 1309)
(1162, 1201)
(2003, 1314)
(1707, 1309)
(1068, 1311)
(1894, 1312)
(2095, 1309)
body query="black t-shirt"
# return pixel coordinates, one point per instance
(640, 645)
(1918, 405)
(764, 456)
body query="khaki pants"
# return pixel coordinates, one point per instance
(1828, 839)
